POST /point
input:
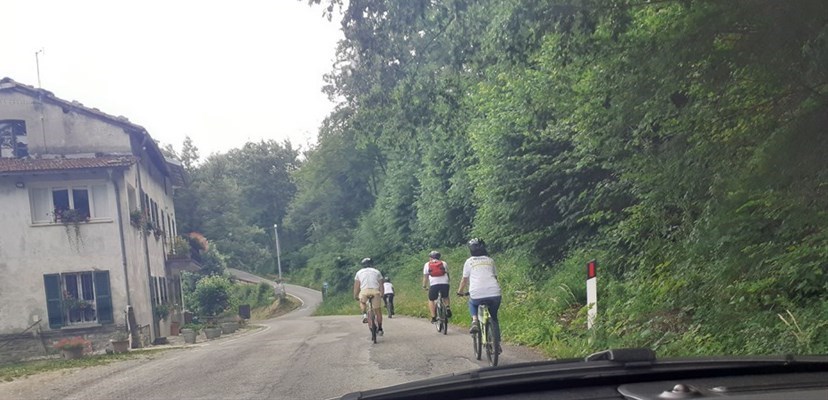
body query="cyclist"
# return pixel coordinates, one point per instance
(435, 273)
(388, 295)
(480, 274)
(368, 282)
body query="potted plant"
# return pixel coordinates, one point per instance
(180, 248)
(120, 341)
(190, 332)
(162, 311)
(212, 330)
(73, 348)
(78, 309)
(136, 217)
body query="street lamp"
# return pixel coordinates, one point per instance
(278, 252)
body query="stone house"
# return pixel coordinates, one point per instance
(88, 225)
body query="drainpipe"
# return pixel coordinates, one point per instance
(145, 241)
(121, 234)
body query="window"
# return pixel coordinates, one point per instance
(14, 142)
(78, 298)
(158, 287)
(53, 204)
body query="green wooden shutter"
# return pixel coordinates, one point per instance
(103, 297)
(53, 300)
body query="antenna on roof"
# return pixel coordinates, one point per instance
(37, 61)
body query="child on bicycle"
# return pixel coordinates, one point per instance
(435, 272)
(368, 282)
(480, 274)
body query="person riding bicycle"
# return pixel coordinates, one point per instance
(480, 275)
(388, 296)
(435, 273)
(368, 282)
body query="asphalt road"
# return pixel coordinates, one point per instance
(294, 356)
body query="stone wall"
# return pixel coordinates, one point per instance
(38, 344)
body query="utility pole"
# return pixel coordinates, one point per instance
(280, 285)
(278, 251)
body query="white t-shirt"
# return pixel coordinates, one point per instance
(369, 278)
(437, 280)
(482, 273)
(389, 288)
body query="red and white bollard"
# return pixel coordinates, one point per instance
(592, 293)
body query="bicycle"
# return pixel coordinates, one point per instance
(442, 315)
(487, 336)
(372, 317)
(389, 304)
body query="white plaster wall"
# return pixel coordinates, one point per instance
(59, 132)
(28, 251)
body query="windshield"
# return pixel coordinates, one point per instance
(400, 190)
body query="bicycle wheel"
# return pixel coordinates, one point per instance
(496, 342)
(477, 342)
(440, 313)
(444, 319)
(490, 353)
(372, 323)
(439, 318)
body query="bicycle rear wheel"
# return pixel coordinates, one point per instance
(477, 342)
(372, 324)
(491, 343)
(440, 314)
(488, 345)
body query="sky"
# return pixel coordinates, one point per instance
(223, 73)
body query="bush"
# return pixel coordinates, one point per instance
(212, 295)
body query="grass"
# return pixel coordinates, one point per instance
(14, 371)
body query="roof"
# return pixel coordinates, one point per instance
(151, 146)
(177, 173)
(45, 95)
(15, 165)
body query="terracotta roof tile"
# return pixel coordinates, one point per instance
(61, 164)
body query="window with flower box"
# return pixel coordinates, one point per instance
(69, 203)
(78, 298)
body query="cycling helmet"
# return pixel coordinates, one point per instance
(477, 247)
(367, 262)
(435, 255)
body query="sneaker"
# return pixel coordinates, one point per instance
(448, 312)
(433, 320)
(380, 332)
(475, 327)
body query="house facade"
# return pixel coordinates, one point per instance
(87, 224)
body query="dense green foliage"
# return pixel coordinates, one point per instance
(679, 143)
(235, 198)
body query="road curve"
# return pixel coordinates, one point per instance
(295, 356)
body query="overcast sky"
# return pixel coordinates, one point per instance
(223, 73)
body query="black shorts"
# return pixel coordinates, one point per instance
(441, 287)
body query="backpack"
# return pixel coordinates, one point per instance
(436, 268)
